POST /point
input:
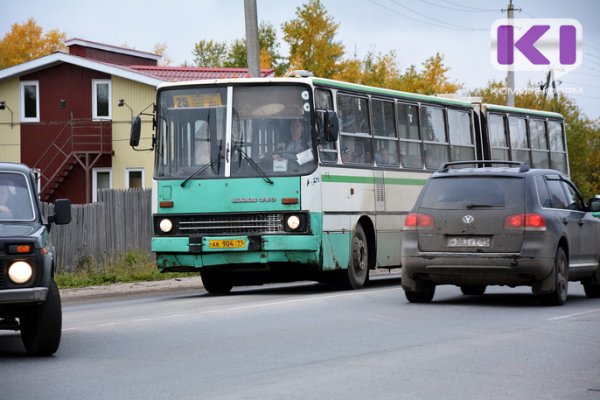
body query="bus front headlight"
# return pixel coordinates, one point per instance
(165, 225)
(293, 222)
(20, 272)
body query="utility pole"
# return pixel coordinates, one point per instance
(252, 50)
(510, 73)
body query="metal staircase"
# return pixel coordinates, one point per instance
(81, 142)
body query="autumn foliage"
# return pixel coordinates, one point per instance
(25, 42)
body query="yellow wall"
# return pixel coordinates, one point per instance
(10, 137)
(138, 96)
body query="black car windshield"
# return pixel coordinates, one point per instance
(271, 132)
(473, 192)
(16, 201)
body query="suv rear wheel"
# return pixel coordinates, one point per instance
(473, 290)
(558, 296)
(424, 294)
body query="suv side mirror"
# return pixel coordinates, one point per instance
(594, 204)
(62, 212)
(136, 129)
(328, 126)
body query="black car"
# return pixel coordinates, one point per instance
(500, 225)
(29, 297)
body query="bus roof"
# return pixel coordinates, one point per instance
(330, 83)
(389, 92)
(506, 109)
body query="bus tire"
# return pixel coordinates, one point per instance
(216, 282)
(357, 273)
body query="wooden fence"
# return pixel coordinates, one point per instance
(100, 232)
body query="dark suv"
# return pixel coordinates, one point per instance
(514, 226)
(29, 298)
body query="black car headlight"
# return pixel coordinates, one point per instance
(20, 272)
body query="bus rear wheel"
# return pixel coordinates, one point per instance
(216, 282)
(357, 274)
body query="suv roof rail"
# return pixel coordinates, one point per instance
(523, 166)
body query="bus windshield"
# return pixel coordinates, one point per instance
(269, 134)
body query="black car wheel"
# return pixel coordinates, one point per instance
(558, 296)
(424, 294)
(41, 325)
(473, 290)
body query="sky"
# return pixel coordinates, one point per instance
(415, 30)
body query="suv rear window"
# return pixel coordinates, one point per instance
(471, 192)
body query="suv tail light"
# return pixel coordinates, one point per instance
(527, 222)
(416, 221)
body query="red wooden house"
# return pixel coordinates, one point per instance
(60, 113)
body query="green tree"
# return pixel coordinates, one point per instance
(25, 42)
(209, 53)
(311, 37)
(270, 57)
(583, 134)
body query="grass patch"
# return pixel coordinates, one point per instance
(131, 267)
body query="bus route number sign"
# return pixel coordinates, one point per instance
(197, 100)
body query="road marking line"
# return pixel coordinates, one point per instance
(243, 307)
(573, 315)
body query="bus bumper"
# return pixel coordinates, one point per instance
(173, 252)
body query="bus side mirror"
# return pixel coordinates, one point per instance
(327, 122)
(136, 129)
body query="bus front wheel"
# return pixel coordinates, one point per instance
(216, 282)
(357, 274)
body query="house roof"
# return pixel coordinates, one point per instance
(108, 47)
(150, 75)
(172, 74)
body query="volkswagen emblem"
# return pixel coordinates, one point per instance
(468, 220)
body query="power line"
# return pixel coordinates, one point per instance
(437, 20)
(447, 25)
(469, 7)
(457, 9)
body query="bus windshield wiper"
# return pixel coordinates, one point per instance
(216, 160)
(254, 165)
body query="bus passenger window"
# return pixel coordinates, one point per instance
(461, 135)
(517, 128)
(497, 132)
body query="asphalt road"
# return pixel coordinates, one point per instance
(307, 341)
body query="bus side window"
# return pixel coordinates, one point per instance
(384, 131)
(519, 147)
(497, 132)
(353, 112)
(558, 155)
(411, 155)
(540, 156)
(433, 129)
(324, 101)
(461, 135)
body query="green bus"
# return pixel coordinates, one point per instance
(285, 179)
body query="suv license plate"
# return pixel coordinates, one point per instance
(469, 242)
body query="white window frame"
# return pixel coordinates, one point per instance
(128, 170)
(37, 101)
(95, 83)
(95, 172)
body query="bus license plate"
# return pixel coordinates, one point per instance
(227, 244)
(469, 242)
